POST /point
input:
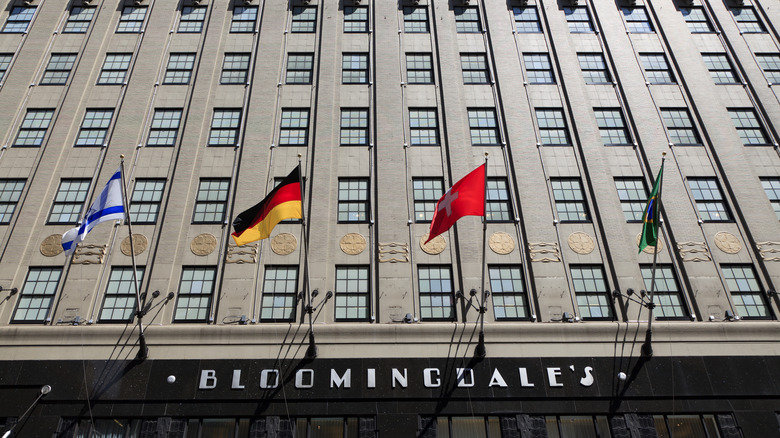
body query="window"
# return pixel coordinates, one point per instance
(351, 293)
(354, 68)
(192, 18)
(538, 68)
(114, 68)
(696, 20)
(680, 127)
(37, 295)
(423, 127)
(68, 201)
(475, 68)
(355, 19)
(720, 68)
(34, 126)
(179, 68)
(19, 19)
(427, 192)
(709, 199)
(5, 61)
(94, 127)
(770, 63)
(527, 20)
(79, 19)
(612, 126)
(657, 70)
(295, 127)
(419, 68)
(637, 20)
(279, 293)
(299, 68)
(58, 69)
(415, 19)
(666, 293)
(119, 300)
(594, 68)
(633, 198)
(508, 292)
(244, 18)
(354, 127)
(746, 292)
(235, 68)
(747, 20)
(497, 205)
(304, 19)
(10, 193)
(749, 128)
(211, 201)
(593, 300)
(165, 127)
(483, 128)
(578, 19)
(146, 199)
(435, 283)
(194, 297)
(132, 19)
(771, 187)
(552, 127)
(467, 19)
(353, 200)
(569, 200)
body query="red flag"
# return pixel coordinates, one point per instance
(465, 198)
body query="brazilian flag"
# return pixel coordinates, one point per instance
(651, 217)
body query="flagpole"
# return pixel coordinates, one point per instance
(311, 352)
(647, 347)
(481, 351)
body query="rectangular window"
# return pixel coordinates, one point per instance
(354, 68)
(280, 292)
(590, 287)
(354, 127)
(34, 126)
(680, 127)
(146, 199)
(474, 67)
(79, 19)
(527, 19)
(94, 127)
(211, 201)
(423, 127)
(355, 19)
(497, 205)
(304, 19)
(119, 300)
(769, 62)
(10, 193)
(538, 68)
(115, 68)
(294, 130)
(5, 61)
(68, 201)
(569, 200)
(633, 198)
(352, 293)
(235, 68)
(696, 20)
(299, 68)
(19, 19)
(192, 18)
(353, 200)
(508, 292)
(179, 69)
(132, 19)
(244, 18)
(195, 291)
(415, 19)
(37, 295)
(771, 187)
(435, 283)
(419, 68)
(578, 19)
(594, 68)
(165, 127)
(427, 192)
(657, 70)
(709, 199)
(483, 127)
(467, 19)
(552, 127)
(666, 293)
(720, 68)
(747, 20)
(749, 128)
(637, 20)
(224, 127)
(58, 69)
(612, 127)
(746, 291)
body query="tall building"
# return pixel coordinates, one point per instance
(345, 324)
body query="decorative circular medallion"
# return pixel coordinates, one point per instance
(140, 242)
(284, 243)
(727, 242)
(581, 243)
(353, 243)
(203, 244)
(650, 249)
(501, 243)
(435, 246)
(52, 245)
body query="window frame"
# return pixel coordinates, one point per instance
(85, 137)
(39, 126)
(519, 11)
(757, 25)
(646, 25)
(349, 11)
(284, 294)
(5, 64)
(675, 124)
(411, 21)
(202, 206)
(192, 18)
(538, 65)
(415, 128)
(294, 60)
(727, 268)
(127, 293)
(653, 69)
(610, 125)
(483, 121)
(18, 15)
(575, 20)
(443, 294)
(78, 22)
(238, 24)
(181, 294)
(693, 23)
(352, 64)
(113, 65)
(173, 72)
(702, 202)
(594, 68)
(771, 69)
(350, 128)
(586, 293)
(149, 199)
(459, 12)
(413, 62)
(632, 197)
(498, 290)
(425, 204)
(76, 205)
(351, 294)
(498, 200)
(748, 116)
(49, 292)
(771, 187)
(582, 200)
(238, 66)
(469, 72)
(10, 194)
(556, 124)
(357, 202)
(131, 24)
(667, 275)
(164, 124)
(58, 70)
(294, 125)
(219, 117)
(718, 71)
(304, 24)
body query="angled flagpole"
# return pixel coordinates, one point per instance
(481, 351)
(311, 352)
(650, 238)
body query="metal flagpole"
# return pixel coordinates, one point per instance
(311, 352)
(481, 351)
(647, 347)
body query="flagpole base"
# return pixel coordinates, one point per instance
(311, 352)
(480, 351)
(143, 350)
(647, 347)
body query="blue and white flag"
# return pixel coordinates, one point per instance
(108, 206)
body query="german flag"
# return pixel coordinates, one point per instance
(284, 202)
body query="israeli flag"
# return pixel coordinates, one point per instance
(108, 206)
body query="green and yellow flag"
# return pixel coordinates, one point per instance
(651, 217)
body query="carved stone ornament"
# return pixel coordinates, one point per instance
(501, 243)
(140, 243)
(544, 252)
(769, 251)
(284, 243)
(241, 254)
(203, 244)
(650, 249)
(435, 246)
(393, 252)
(52, 245)
(694, 251)
(89, 254)
(581, 243)
(727, 243)
(353, 243)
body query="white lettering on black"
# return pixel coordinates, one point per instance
(299, 379)
(208, 379)
(524, 378)
(428, 378)
(552, 375)
(336, 381)
(236, 380)
(265, 379)
(588, 379)
(371, 377)
(399, 378)
(465, 377)
(497, 379)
